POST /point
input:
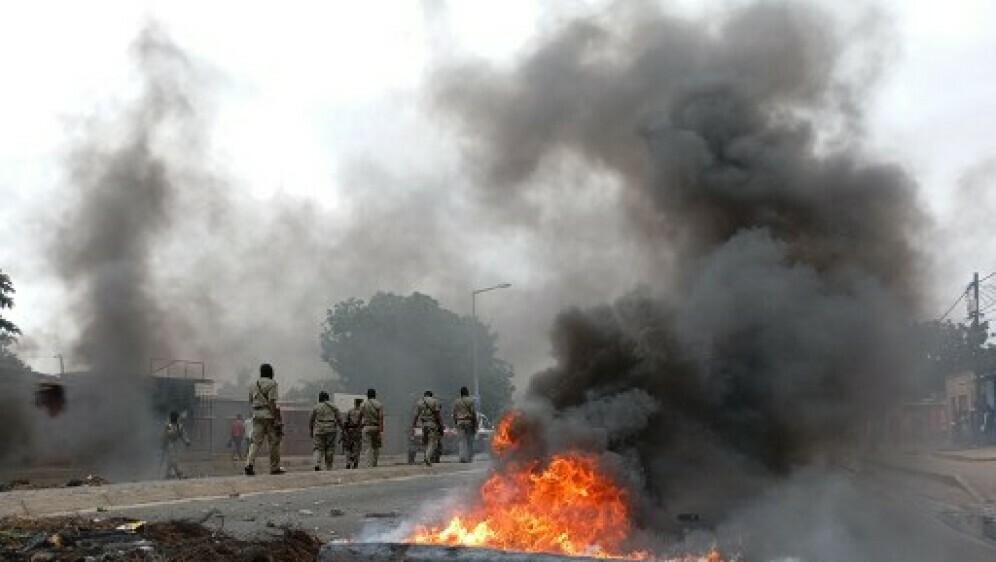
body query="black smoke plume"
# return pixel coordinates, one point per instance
(787, 266)
(124, 190)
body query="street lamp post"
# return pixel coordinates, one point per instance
(473, 335)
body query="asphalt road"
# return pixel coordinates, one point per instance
(845, 517)
(354, 511)
(869, 517)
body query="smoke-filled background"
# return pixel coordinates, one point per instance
(714, 208)
(266, 230)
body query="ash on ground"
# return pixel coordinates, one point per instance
(120, 539)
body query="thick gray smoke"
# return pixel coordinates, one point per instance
(787, 269)
(123, 191)
(166, 259)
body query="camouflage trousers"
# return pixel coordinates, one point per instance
(371, 445)
(430, 442)
(352, 442)
(323, 448)
(465, 436)
(264, 429)
(171, 457)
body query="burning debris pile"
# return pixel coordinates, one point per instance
(116, 539)
(566, 504)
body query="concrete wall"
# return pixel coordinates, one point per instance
(960, 390)
(210, 430)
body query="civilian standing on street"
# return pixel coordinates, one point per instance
(237, 436)
(267, 423)
(248, 432)
(465, 420)
(372, 420)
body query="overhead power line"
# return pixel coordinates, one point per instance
(953, 305)
(989, 291)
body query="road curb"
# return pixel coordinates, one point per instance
(962, 458)
(942, 477)
(60, 501)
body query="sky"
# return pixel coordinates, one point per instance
(305, 94)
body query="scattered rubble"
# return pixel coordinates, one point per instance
(24, 484)
(127, 540)
(88, 480)
(382, 515)
(17, 484)
(94, 480)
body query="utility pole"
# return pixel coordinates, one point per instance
(973, 312)
(977, 337)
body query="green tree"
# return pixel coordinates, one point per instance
(404, 345)
(948, 347)
(9, 363)
(8, 331)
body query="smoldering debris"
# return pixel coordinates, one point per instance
(126, 539)
(788, 269)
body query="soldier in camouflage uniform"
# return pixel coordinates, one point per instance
(465, 420)
(428, 413)
(173, 435)
(372, 432)
(372, 420)
(352, 434)
(324, 429)
(266, 420)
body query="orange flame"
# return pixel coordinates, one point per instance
(566, 506)
(503, 440)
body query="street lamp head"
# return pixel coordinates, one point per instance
(491, 288)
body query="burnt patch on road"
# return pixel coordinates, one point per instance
(122, 539)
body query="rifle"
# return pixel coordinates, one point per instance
(278, 420)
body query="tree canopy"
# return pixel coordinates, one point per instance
(948, 347)
(8, 331)
(403, 346)
(9, 363)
